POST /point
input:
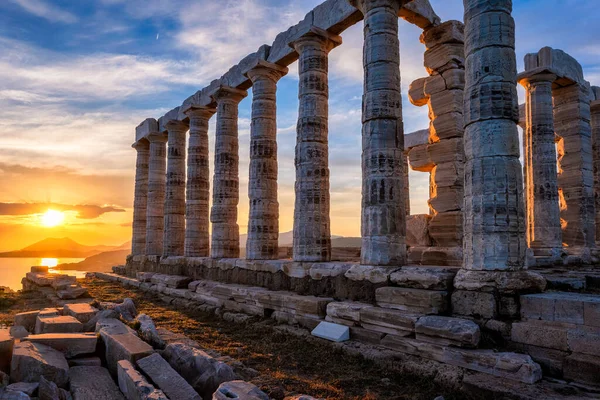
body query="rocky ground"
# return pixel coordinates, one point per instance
(276, 358)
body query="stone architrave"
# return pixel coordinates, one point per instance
(197, 212)
(263, 224)
(140, 203)
(174, 231)
(383, 220)
(157, 180)
(494, 210)
(544, 233)
(226, 188)
(312, 226)
(595, 109)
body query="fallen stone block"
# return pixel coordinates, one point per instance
(29, 388)
(61, 282)
(148, 331)
(389, 321)
(172, 281)
(346, 310)
(60, 324)
(70, 344)
(239, 390)
(85, 362)
(6, 350)
(448, 331)
(82, 312)
(49, 391)
(424, 278)
(198, 368)
(124, 346)
(582, 368)
(166, 378)
(169, 337)
(18, 332)
(90, 326)
(32, 360)
(414, 300)
(93, 383)
(133, 384)
(40, 279)
(332, 332)
(27, 320)
(13, 395)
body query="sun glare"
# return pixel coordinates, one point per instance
(52, 218)
(49, 262)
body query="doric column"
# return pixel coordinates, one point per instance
(157, 179)
(140, 202)
(263, 224)
(383, 222)
(312, 228)
(595, 109)
(226, 185)
(494, 211)
(197, 238)
(174, 233)
(541, 182)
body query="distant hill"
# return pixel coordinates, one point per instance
(60, 248)
(102, 262)
(346, 242)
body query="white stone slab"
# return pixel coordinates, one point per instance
(333, 332)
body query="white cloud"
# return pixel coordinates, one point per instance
(47, 11)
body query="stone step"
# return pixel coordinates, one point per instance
(563, 337)
(93, 383)
(82, 312)
(166, 378)
(562, 307)
(389, 321)
(60, 324)
(32, 360)
(70, 344)
(413, 300)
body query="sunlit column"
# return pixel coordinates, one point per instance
(383, 222)
(157, 178)
(312, 227)
(595, 109)
(140, 202)
(226, 187)
(263, 223)
(197, 238)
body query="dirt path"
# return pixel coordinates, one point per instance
(287, 364)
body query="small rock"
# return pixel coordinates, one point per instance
(18, 332)
(148, 331)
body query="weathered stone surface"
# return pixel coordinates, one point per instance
(582, 368)
(346, 310)
(157, 179)
(27, 319)
(144, 276)
(388, 321)
(414, 300)
(166, 378)
(540, 334)
(140, 203)
(81, 311)
(32, 360)
(420, 13)
(123, 346)
(477, 304)
(63, 281)
(90, 326)
(417, 230)
(452, 331)
(200, 370)
(70, 344)
(447, 32)
(575, 308)
(29, 388)
(72, 292)
(49, 391)
(93, 383)
(126, 309)
(6, 349)
(134, 385)
(60, 324)
(148, 331)
(85, 362)
(423, 278)
(369, 273)
(18, 332)
(239, 390)
(513, 282)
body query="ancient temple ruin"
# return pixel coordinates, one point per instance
(492, 219)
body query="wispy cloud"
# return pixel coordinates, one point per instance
(47, 11)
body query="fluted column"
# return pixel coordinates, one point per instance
(197, 238)
(544, 233)
(494, 211)
(226, 186)
(312, 227)
(595, 109)
(383, 220)
(157, 178)
(263, 223)
(174, 232)
(140, 202)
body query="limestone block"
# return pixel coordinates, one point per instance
(446, 32)
(561, 307)
(368, 273)
(513, 282)
(346, 310)
(281, 53)
(335, 15)
(123, 346)
(166, 378)
(414, 300)
(446, 199)
(13, 395)
(451, 331)
(416, 92)
(93, 383)
(331, 331)
(417, 230)
(420, 13)
(63, 281)
(49, 391)
(416, 138)
(582, 368)
(434, 84)
(425, 158)
(446, 126)
(444, 56)
(239, 390)
(148, 331)
(561, 63)
(70, 344)
(6, 350)
(584, 339)
(388, 321)
(442, 256)
(145, 128)
(80, 311)
(172, 115)
(29, 388)
(540, 334)
(172, 281)
(85, 362)
(133, 384)
(319, 271)
(72, 292)
(27, 319)
(424, 278)
(476, 304)
(60, 324)
(200, 370)
(494, 29)
(18, 332)
(144, 276)
(32, 360)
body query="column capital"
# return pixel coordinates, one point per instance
(316, 37)
(142, 144)
(265, 69)
(229, 93)
(157, 137)
(365, 5)
(532, 77)
(175, 125)
(200, 112)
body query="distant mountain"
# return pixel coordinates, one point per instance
(59, 248)
(346, 242)
(102, 262)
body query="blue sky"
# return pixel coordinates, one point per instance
(76, 77)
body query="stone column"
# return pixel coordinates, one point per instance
(174, 232)
(157, 179)
(544, 234)
(263, 224)
(197, 238)
(595, 109)
(383, 220)
(140, 202)
(226, 186)
(494, 212)
(312, 228)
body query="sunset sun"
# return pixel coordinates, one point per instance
(52, 218)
